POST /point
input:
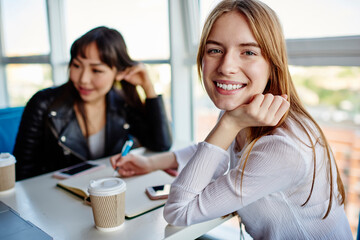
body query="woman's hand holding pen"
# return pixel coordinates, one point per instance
(127, 165)
(131, 165)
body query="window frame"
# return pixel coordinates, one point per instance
(329, 51)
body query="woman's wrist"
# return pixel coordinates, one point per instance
(162, 161)
(152, 164)
(149, 89)
(233, 123)
(223, 133)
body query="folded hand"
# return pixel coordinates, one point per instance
(263, 110)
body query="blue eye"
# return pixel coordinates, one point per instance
(249, 53)
(213, 51)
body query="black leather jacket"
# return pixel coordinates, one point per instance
(50, 137)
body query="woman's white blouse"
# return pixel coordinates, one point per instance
(276, 182)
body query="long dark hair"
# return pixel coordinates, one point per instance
(113, 52)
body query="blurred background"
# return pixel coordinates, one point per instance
(323, 40)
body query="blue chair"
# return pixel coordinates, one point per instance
(9, 126)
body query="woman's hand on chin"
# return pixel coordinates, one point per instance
(262, 110)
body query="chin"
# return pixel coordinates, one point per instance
(86, 98)
(226, 106)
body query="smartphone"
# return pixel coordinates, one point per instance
(158, 192)
(78, 169)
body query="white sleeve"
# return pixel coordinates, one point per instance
(183, 155)
(194, 197)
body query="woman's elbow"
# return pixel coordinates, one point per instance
(175, 216)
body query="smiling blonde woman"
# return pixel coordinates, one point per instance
(266, 159)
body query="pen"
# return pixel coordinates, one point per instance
(125, 150)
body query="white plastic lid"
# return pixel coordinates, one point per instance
(6, 159)
(106, 186)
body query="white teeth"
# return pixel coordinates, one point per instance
(229, 86)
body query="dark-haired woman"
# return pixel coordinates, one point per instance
(87, 117)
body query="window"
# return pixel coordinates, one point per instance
(315, 19)
(29, 20)
(24, 50)
(26, 79)
(144, 24)
(331, 93)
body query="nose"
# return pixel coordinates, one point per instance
(229, 64)
(85, 76)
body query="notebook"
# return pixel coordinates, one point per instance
(136, 200)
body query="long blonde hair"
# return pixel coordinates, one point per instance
(268, 33)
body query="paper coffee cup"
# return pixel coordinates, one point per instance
(107, 197)
(7, 172)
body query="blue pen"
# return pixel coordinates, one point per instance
(125, 150)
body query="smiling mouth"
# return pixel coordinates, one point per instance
(229, 87)
(84, 91)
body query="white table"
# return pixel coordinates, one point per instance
(64, 216)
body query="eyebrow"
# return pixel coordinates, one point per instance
(97, 64)
(248, 44)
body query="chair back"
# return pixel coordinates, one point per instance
(9, 125)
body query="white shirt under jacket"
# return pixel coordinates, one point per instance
(276, 182)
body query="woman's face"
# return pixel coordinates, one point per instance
(233, 67)
(92, 78)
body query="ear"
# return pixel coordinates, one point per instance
(120, 75)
